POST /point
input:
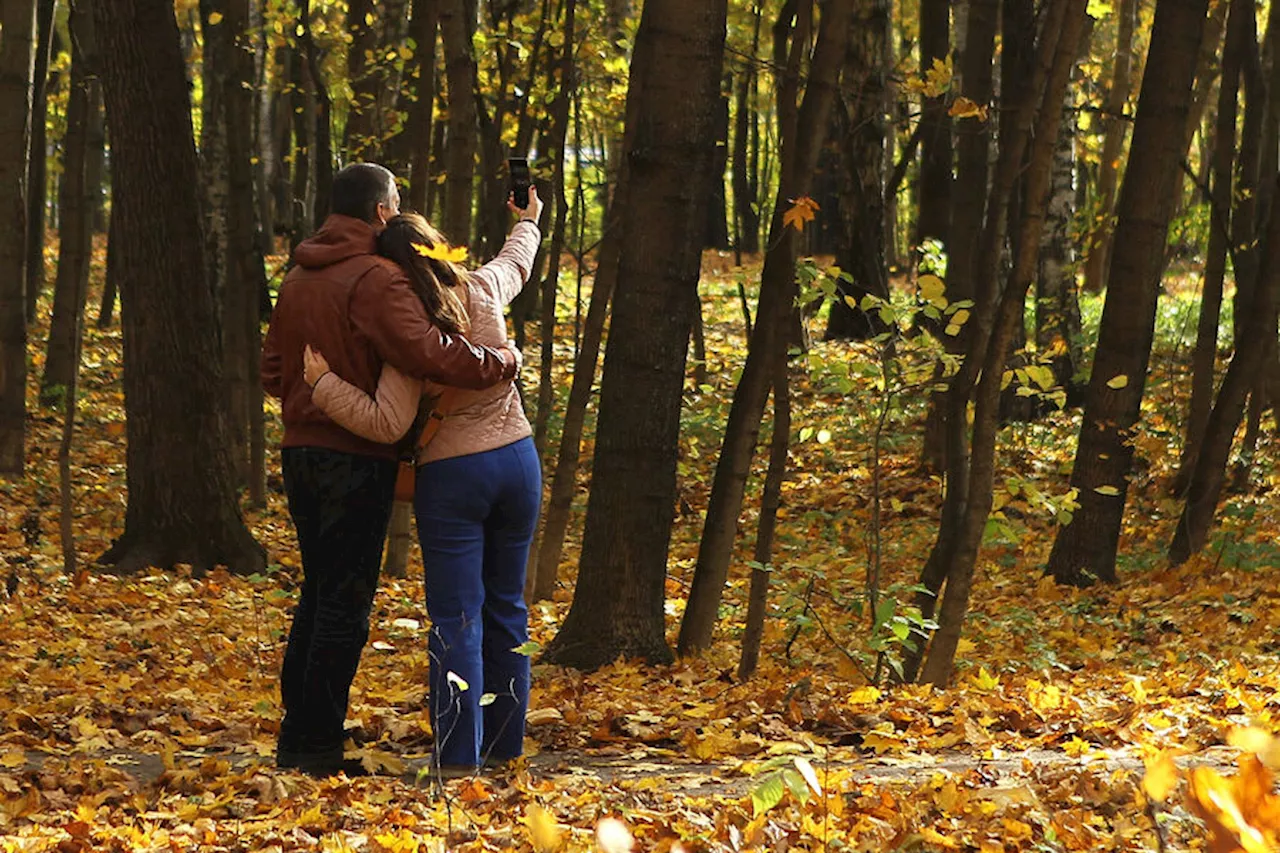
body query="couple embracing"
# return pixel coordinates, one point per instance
(372, 325)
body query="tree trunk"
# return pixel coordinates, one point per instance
(460, 150)
(1204, 357)
(801, 145)
(770, 500)
(564, 89)
(968, 198)
(399, 540)
(862, 131)
(1114, 128)
(213, 159)
(935, 144)
(746, 194)
(1019, 100)
(618, 606)
(1085, 550)
(181, 504)
(717, 236)
(1061, 46)
(361, 139)
(110, 281)
(1211, 463)
(1058, 329)
(319, 118)
(81, 183)
(38, 161)
(246, 275)
(423, 29)
(17, 66)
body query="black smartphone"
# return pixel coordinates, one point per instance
(519, 181)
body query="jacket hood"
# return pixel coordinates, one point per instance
(339, 238)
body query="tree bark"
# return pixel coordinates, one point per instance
(361, 138)
(1211, 464)
(618, 606)
(862, 133)
(1085, 550)
(801, 144)
(935, 144)
(1020, 103)
(717, 236)
(213, 155)
(1204, 357)
(423, 27)
(81, 184)
(1058, 328)
(181, 504)
(17, 67)
(463, 128)
(567, 84)
(320, 141)
(1115, 126)
(246, 275)
(968, 197)
(1061, 46)
(770, 501)
(37, 162)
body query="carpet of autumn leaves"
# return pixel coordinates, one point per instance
(139, 713)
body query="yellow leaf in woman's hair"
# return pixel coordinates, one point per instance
(456, 255)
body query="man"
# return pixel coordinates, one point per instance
(359, 310)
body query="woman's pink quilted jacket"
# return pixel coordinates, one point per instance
(477, 420)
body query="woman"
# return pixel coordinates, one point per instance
(478, 489)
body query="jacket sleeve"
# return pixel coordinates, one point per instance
(271, 369)
(384, 417)
(506, 275)
(385, 309)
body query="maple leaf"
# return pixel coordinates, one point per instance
(802, 211)
(962, 107)
(443, 252)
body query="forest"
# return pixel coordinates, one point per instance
(904, 376)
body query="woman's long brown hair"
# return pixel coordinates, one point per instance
(434, 280)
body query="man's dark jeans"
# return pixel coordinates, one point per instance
(340, 505)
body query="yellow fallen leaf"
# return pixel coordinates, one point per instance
(544, 832)
(1161, 777)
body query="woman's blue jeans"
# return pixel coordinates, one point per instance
(476, 516)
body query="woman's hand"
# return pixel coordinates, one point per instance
(314, 366)
(533, 212)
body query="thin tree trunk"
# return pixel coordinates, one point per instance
(460, 150)
(360, 138)
(770, 501)
(862, 131)
(81, 182)
(423, 27)
(246, 276)
(17, 68)
(320, 140)
(1085, 550)
(399, 540)
(1057, 305)
(550, 285)
(1115, 126)
(110, 284)
(935, 145)
(745, 192)
(1211, 464)
(1020, 102)
(1204, 357)
(213, 159)
(968, 198)
(801, 145)
(541, 582)
(38, 161)
(1038, 177)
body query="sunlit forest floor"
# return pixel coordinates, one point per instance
(139, 713)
